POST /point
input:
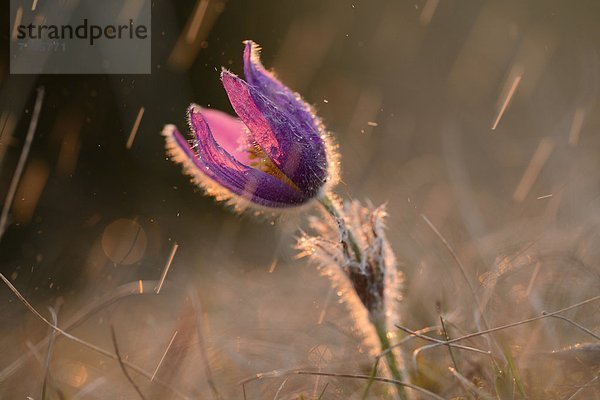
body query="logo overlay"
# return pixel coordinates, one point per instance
(80, 37)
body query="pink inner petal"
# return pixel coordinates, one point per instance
(229, 132)
(256, 119)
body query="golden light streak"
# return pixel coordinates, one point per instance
(163, 356)
(541, 155)
(131, 9)
(576, 125)
(18, 18)
(135, 127)
(507, 99)
(30, 189)
(199, 12)
(273, 266)
(69, 153)
(8, 122)
(192, 37)
(141, 286)
(428, 11)
(167, 267)
(534, 275)
(34, 5)
(14, 183)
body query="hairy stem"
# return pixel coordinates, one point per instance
(348, 242)
(390, 358)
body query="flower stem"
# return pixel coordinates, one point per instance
(349, 242)
(390, 358)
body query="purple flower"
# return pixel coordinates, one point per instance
(275, 155)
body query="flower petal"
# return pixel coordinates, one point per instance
(256, 75)
(229, 132)
(291, 142)
(220, 174)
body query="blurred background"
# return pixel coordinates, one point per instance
(480, 115)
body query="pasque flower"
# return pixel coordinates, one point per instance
(275, 155)
(278, 155)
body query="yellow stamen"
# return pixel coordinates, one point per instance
(262, 162)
